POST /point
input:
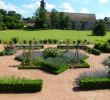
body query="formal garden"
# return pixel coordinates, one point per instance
(65, 56)
(54, 59)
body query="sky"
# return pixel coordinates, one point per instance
(27, 8)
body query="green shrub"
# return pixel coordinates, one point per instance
(2, 53)
(103, 47)
(5, 52)
(20, 58)
(52, 52)
(24, 41)
(50, 41)
(12, 84)
(55, 41)
(15, 40)
(95, 51)
(94, 83)
(45, 41)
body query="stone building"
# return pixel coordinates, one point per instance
(79, 20)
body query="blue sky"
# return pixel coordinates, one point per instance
(27, 7)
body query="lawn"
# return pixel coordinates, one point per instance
(52, 34)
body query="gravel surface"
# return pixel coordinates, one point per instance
(56, 87)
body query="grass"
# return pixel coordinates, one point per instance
(52, 34)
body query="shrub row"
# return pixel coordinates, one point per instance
(89, 50)
(94, 83)
(103, 47)
(26, 46)
(13, 84)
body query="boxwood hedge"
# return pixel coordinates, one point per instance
(94, 83)
(13, 84)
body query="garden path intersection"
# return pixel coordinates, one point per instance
(55, 87)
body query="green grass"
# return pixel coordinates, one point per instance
(52, 34)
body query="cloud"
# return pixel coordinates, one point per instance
(37, 5)
(84, 10)
(11, 7)
(66, 7)
(103, 1)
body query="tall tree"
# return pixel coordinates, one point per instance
(54, 17)
(41, 16)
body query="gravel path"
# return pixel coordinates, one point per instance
(56, 87)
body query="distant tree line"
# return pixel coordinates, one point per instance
(10, 20)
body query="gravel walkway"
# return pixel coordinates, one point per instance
(56, 87)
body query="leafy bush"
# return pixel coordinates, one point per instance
(45, 41)
(12, 84)
(20, 58)
(103, 47)
(15, 40)
(95, 51)
(50, 41)
(99, 28)
(5, 52)
(52, 52)
(24, 41)
(94, 83)
(55, 41)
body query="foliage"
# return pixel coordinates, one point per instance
(55, 41)
(45, 41)
(55, 65)
(54, 17)
(15, 40)
(52, 52)
(41, 19)
(12, 84)
(94, 83)
(10, 20)
(50, 41)
(99, 28)
(105, 47)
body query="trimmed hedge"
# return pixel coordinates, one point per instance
(26, 46)
(95, 51)
(94, 83)
(20, 85)
(103, 47)
(83, 65)
(87, 49)
(53, 65)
